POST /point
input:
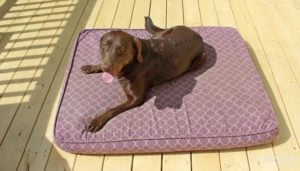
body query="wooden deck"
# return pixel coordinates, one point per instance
(36, 37)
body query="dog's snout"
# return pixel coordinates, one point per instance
(106, 63)
(105, 68)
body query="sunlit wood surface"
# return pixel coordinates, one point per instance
(36, 39)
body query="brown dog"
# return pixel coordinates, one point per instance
(139, 64)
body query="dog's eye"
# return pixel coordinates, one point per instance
(120, 50)
(105, 46)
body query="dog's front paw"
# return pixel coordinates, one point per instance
(96, 124)
(87, 69)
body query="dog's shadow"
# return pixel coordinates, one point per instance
(171, 93)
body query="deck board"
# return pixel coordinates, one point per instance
(36, 39)
(147, 162)
(191, 13)
(208, 13)
(141, 9)
(143, 162)
(209, 160)
(206, 160)
(234, 160)
(90, 163)
(158, 12)
(176, 162)
(255, 156)
(18, 133)
(249, 32)
(117, 162)
(180, 161)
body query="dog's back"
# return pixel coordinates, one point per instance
(178, 47)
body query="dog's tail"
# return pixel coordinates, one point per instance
(150, 27)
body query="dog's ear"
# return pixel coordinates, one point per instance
(138, 46)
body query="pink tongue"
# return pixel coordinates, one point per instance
(106, 77)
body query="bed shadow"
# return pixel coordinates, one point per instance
(284, 133)
(182, 85)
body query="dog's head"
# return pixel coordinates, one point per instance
(118, 49)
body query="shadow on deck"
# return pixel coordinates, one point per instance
(36, 40)
(284, 133)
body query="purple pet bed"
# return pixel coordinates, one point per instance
(222, 105)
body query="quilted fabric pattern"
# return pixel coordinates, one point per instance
(221, 105)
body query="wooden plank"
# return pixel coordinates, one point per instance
(176, 162)
(158, 12)
(7, 75)
(7, 52)
(26, 115)
(294, 3)
(288, 45)
(235, 159)
(95, 8)
(5, 23)
(21, 50)
(86, 162)
(286, 38)
(40, 143)
(191, 13)
(288, 10)
(60, 160)
(285, 146)
(289, 89)
(123, 14)
(262, 158)
(206, 160)
(9, 18)
(83, 162)
(149, 162)
(5, 6)
(174, 13)
(256, 155)
(287, 139)
(90, 163)
(107, 13)
(117, 162)
(224, 13)
(208, 13)
(141, 9)
(227, 158)
(34, 108)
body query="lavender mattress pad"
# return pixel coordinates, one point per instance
(221, 105)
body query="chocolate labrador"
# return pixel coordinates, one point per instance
(139, 64)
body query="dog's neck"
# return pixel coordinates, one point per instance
(147, 48)
(130, 70)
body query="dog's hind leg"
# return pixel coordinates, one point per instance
(150, 27)
(197, 62)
